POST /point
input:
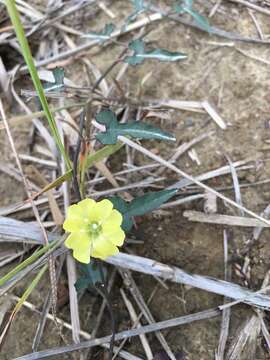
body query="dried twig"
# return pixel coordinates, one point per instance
(134, 290)
(124, 354)
(223, 219)
(214, 30)
(35, 210)
(151, 267)
(189, 177)
(250, 5)
(134, 317)
(225, 322)
(81, 48)
(122, 335)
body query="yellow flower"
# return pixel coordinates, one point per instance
(95, 229)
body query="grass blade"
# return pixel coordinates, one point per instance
(20, 302)
(15, 19)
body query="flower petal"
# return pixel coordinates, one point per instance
(82, 255)
(74, 225)
(116, 237)
(103, 256)
(85, 243)
(101, 211)
(78, 215)
(113, 222)
(102, 248)
(80, 243)
(87, 206)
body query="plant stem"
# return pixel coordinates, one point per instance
(16, 21)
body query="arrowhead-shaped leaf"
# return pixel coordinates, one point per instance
(103, 35)
(149, 202)
(58, 84)
(199, 19)
(137, 46)
(140, 205)
(186, 6)
(90, 275)
(134, 60)
(133, 129)
(164, 55)
(139, 7)
(160, 54)
(122, 206)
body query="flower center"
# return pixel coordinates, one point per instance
(94, 229)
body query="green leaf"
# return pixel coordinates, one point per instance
(139, 7)
(199, 19)
(82, 283)
(102, 154)
(140, 205)
(22, 299)
(58, 84)
(180, 7)
(19, 30)
(65, 177)
(133, 129)
(37, 254)
(137, 46)
(186, 6)
(160, 54)
(122, 206)
(90, 275)
(164, 55)
(149, 202)
(105, 34)
(133, 60)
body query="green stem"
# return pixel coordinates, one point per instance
(15, 19)
(29, 289)
(27, 262)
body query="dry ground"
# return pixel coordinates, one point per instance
(238, 86)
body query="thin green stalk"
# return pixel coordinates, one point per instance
(27, 262)
(37, 114)
(102, 154)
(20, 302)
(97, 156)
(15, 19)
(30, 288)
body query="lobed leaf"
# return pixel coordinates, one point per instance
(58, 84)
(187, 6)
(133, 129)
(140, 205)
(159, 54)
(199, 19)
(90, 276)
(139, 7)
(149, 202)
(122, 206)
(103, 35)
(164, 55)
